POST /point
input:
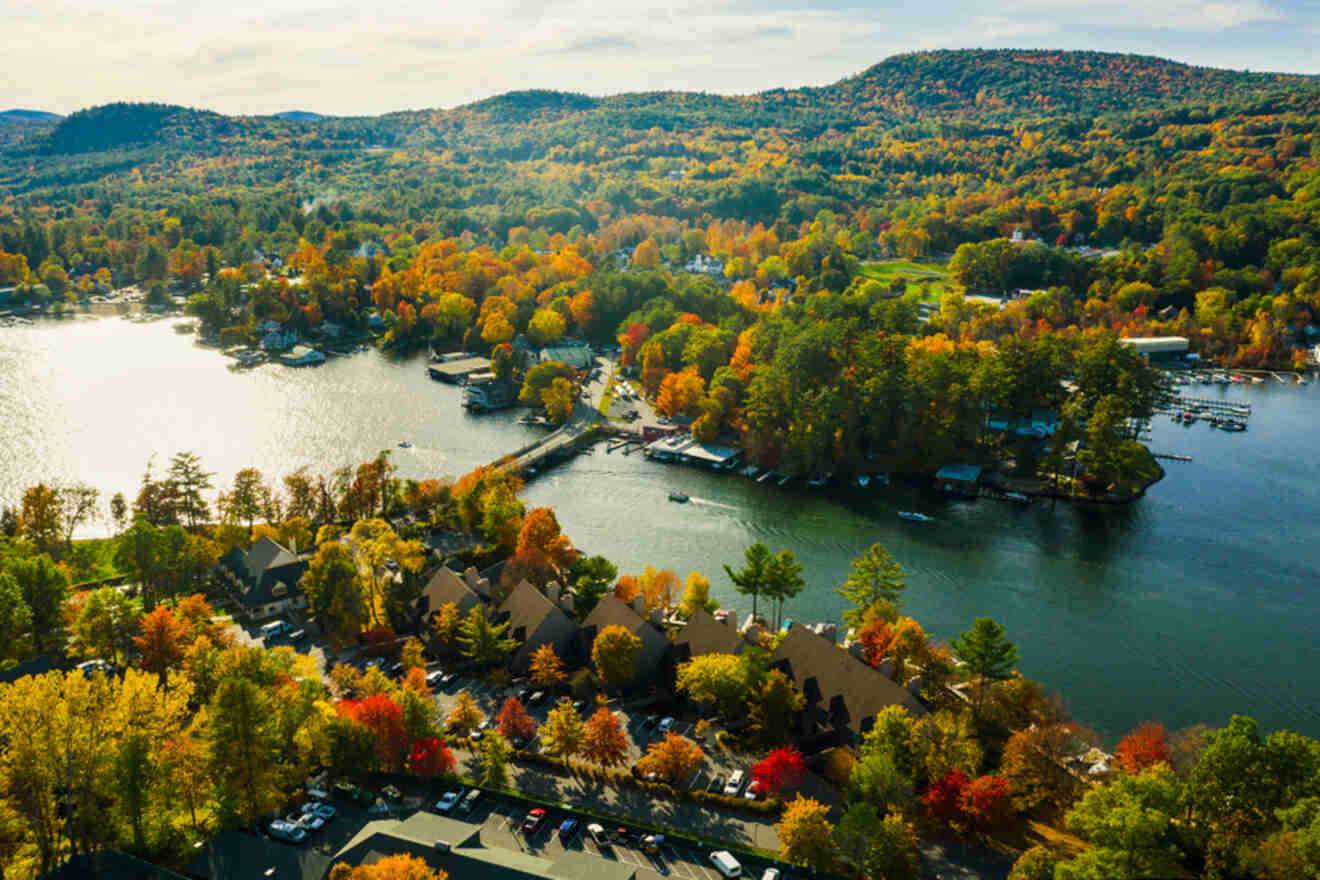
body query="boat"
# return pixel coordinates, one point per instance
(750, 471)
(818, 482)
(785, 479)
(404, 444)
(881, 479)
(1018, 497)
(680, 497)
(861, 481)
(912, 516)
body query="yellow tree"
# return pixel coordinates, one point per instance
(546, 668)
(558, 400)
(658, 587)
(805, 834)
(466, 714)
(604, 741)
(374, 544)
(400, 867)
(540, 528)
(563, 731)
(614, 652)
(546, 327)
(497, 329)
(696, 596)
(673, 759)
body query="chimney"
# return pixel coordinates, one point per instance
(567, 602)
(657, 617)
(470, 576)
(886, 667)
(856, 649)
(638, 604)
(552, 591)
(828, 630)
(914, 686)
(483, 587)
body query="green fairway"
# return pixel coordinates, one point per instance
(931, 280)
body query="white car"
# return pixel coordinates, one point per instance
(725, 863)
(287, 831)
(666, 725)
(771, 874)
(447, 801)
(310, 821)
(735, 783)
(325, 811)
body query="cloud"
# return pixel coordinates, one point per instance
(336, 56)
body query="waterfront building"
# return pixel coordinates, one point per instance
(683, 449)
(485, 392)
(1159, 349)
(264, 580)
(959, 479)
(302, 356)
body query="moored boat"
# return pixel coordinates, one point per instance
(913, 516)
(680, 497)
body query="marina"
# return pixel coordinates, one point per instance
(1106, 603)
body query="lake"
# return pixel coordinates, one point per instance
(1194, 603)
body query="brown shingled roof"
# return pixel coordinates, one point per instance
(841, 691)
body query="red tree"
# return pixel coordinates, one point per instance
(984, 803)
(1144, 747)
(379, 641)
(780, 771)
(383, 717)
(943, 799)
(513, 722)
(430, 758)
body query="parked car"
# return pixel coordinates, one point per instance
(448, 678)
(532, 823)
(666, 725)
(598, 834)
(289, 832)
(448, 801)
(771, 874)
(649, 722)
(469, 801)
(725, 863)
(325, 811)
(433, 677)
(105, 667)
(318, 794)
(477, 736)
(536, 698)
(297, 635)
(753, 791)
(525, 695)
(568, 828)
(716, 784)
(350, 792)
(651, 843)
(734, 787)
(309, 821)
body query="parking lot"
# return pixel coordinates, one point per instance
(502, 823)
(641, 732)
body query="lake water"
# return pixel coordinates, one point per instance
(1194, 603)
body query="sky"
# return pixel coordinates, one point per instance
(347, 58)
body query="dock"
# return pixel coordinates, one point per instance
(1169, 456)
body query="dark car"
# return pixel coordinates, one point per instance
(568, 828)
(448, 678)
(716, 784)
(524, 695)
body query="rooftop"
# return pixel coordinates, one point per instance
(963, 473)
(683, 446)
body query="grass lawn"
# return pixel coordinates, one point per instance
(931, 280)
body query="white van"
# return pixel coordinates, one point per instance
(274, 629)
(725, 863)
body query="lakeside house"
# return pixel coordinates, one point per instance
(484, 393)
(612, 611)
(457, 370)
(579, 357)
(276, 337)
(702, 633)
(536, 619)
(264, 580)
(843, 694)
(446, 586)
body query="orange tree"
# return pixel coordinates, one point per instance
(672, 759)
(604, 741)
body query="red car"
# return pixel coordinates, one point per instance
(533, 821)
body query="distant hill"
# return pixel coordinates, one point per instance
(301, 115)
(113, 126)
(969, 81)
(17, 124)
(29, 116)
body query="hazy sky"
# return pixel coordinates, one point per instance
(331, 56)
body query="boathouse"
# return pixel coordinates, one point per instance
(1158, 349)
(959, 479)
(683, 449)
(456, 370)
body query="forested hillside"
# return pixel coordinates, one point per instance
(725, 241)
